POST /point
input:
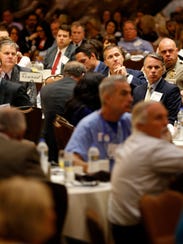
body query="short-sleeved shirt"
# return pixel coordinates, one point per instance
(93, 130)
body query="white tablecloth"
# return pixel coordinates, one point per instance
(81, 198)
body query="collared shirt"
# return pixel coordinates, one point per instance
(144, 164)
(93, 130)
(3, 74)
(63, 60)
(137, 45)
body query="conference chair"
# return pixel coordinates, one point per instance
(96, 231)
(134, 64)
(33, 116)
(63, 131)
(160, 214)
(60, 198)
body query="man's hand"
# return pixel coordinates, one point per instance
(121, 71)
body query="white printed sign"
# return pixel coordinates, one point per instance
(31, 77)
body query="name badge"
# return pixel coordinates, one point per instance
(64, 59)
(156, 96)
(137, 43)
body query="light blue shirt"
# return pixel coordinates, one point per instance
(93, 130)
(137, 45)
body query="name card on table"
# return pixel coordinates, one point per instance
(98, 165)
(31, 77)
(46, 73)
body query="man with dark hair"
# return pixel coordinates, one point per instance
(58, 55)
(87, 55)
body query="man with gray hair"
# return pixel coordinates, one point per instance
(145, 163)
(156, 88)
(17, 156)
(107, 127)
(53, 99)
(11, 70)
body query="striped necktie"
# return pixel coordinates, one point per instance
(148, 93)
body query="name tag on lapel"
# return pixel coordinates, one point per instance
(156, 96)
(64, 59)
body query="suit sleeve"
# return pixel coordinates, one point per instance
(173, 103)
(21, 98)
(32, 166)
(138, 78)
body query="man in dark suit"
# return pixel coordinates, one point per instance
(114, 58)
(88, 55)
(14, 94)
(53, 99)
(11, 71)
(64, 49)
(158, 89)
(77, 33)
(17, 156)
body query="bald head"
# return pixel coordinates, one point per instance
(168, 50)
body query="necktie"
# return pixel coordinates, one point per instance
(6, 77)
(148, 93)
(54, 67)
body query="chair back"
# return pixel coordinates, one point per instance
(34, 122)
(132, 64)
(96, 231)
(60, 198)
(63, 131)
(160, 214)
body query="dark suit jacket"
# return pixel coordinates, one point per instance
(102, 68)
(171, 97)
(53, 99)
(14, 94)
(30, 86)
(138, 78)
(51, 52)
(19, 158)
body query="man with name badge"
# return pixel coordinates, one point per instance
(158, 89)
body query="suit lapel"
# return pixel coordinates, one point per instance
(2, 91)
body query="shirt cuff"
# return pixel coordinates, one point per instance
(129, 78)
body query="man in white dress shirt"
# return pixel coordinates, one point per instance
(144, 164)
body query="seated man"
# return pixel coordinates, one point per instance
(114, 58)
(11, 71)
(130, 41)
(145, 163)
(107, 127)
(26, 210)
(88, 55)
(18, 157)
(13, 93)
(174, 65)
(158, 89)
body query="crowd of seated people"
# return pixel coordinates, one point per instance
(95, 91)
